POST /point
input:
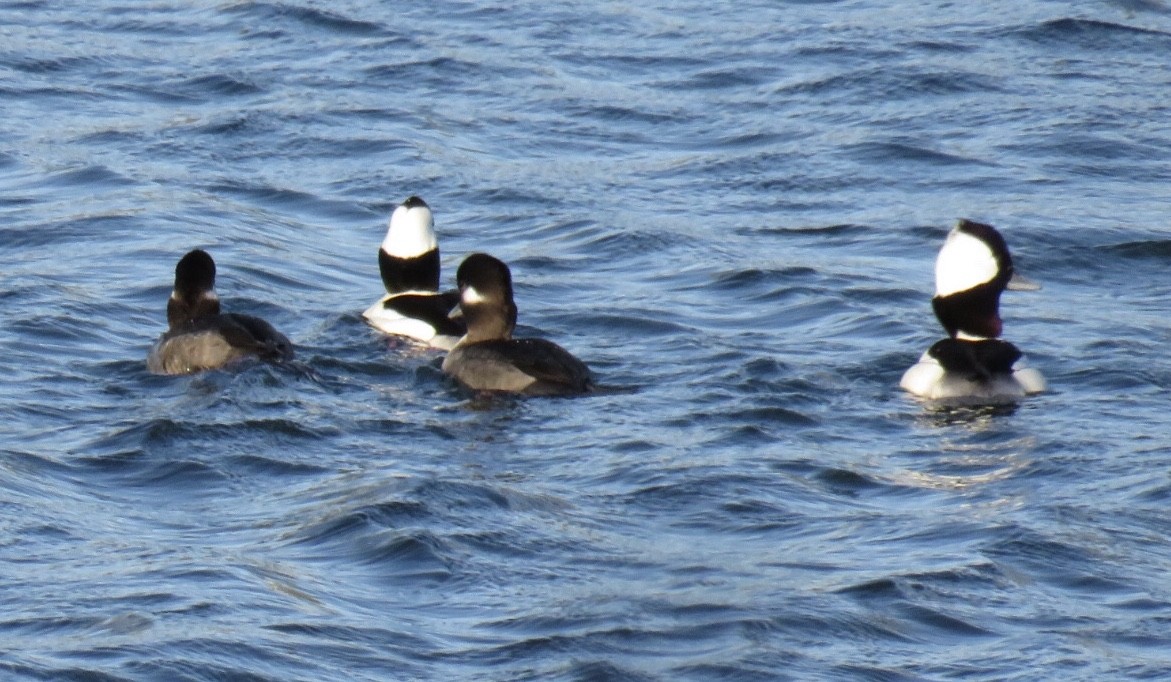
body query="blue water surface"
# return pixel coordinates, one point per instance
(729, 210)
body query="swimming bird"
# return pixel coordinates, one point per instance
(487, 358)
(973, 365)
(409, 262)
(199, 336)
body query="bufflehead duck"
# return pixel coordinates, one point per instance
(973, 365)
(199, 336)
(487, 358)
(409, 262)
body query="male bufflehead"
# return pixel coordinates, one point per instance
(199, 336)
(972, 364)
(487, 358)
(409, 262)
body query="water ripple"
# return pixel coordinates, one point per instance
(732, 216)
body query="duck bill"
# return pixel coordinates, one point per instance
(1019, 282)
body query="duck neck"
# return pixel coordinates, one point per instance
(181, 311)
(488, 323)
(417, 273)
(973, 312)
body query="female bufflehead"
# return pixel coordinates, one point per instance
(487, 358)
(409, 262)
(972, 364)
(199, 336)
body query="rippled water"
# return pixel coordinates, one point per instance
(731, 211)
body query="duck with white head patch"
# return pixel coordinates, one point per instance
(973, 365)
(408, 260)
(199, 336)
(487, 358)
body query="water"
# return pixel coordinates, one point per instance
(730, 210)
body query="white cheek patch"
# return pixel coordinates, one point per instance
(411, 232)
(207, 295)
(469, 296)
(963, 262)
